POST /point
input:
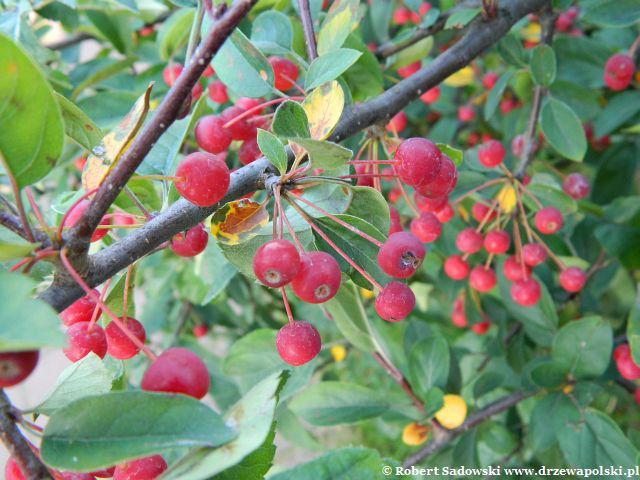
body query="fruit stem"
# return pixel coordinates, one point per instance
(96, 298)
(530, 195)
(287, 307)
(349, 227)
(523, 215)
(96, 310)
(552, 255)
(18, 199)
(293, 82)
(257, 108)
(284, 218)
(399, 379)
(403, 192)
(486, 184)
(73, 205)
(36, 210)
(137, 202)
(371, 162)
(487, 216)
(634, 46)
(324, 236)
(518, 242)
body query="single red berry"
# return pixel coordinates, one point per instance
(364, 173)
(564, 22)
(508, 104)
(12, 470)
(621, 351)
(76, 212)
(401, 16)
(80, 162)
(489, 79)
(104, 473)
(430, 96)
(479, 211)
(395, 301)
(218, 92)
(208, 72)
(16, 366)
(241, 129)
(426, 204)
(82, 338)
(200, 330)
(298, 343)
(548, 220)
(191, 243)
(249, 151)
(147, 468)
(247, 103)
(469, 241)
(627, 368)
(426, 227)
(418, 161)
(445, 213)
(79, 311)
(177, 370)
(455, 267)
(526, 292)
(395, 225)
(572, 279)
(497, 242)
(444, 182)
(118, 344)
(76, 476)
(205, 179)
(401, 255)
(517, 146)
(211, 135)
(576, 186)
(618, 71)
(171, 73)
(123, 219)
(514, 270)
(466, 113)
(276, 263)
(397, 123)
(482, 279)
(533, 254)
(481, 328)
(458, 317)
(409, 70)
(491, 153)
(285, 73)
(318, 279)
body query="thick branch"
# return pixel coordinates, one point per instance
(390, 48)
(444, 437)
(307, 26)
(14, 224)
(17, 445)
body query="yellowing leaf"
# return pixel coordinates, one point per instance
(238, 221)
(323, 107)
(341, 20)
(461, 78)
(531, 32)
(366, 294)
(507, 198)
(464, 214)
(105, 156)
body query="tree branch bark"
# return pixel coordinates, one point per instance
(307, 27)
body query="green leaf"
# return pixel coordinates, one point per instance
(486, 383)
(365, 76)
(543, 65)
(623, 107)
(324, 154)
(100, 431)
(633, 329)
(273, 149)
(337, 25)
(495, 94)
(583, 347)
(347, 311)
(429, 364)
(252, 417)
(110, 69)
(40, 328)
(612, 13)
(242, 68)
(621, 241)
(455, 154)
(77, 125)
(581, 59)
(511, 49)
(84, 378)
(13, 246)
(329, 67)
(113, 26)
(370, 204)
(461, 18)
(290, 120)
(28, 111)
(174, 32)
(335, 403)
(255, 465)
(584, 101)
(563, 129)
(271, 32)
(550, 415)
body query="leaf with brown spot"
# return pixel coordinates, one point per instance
(238, 221)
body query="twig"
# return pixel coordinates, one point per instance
(399, 379)
(307, 26)
(18, 199)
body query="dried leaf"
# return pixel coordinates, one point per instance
(238, 221)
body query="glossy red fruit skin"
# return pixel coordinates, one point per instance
(177, 370)
(79, 311)
(533, 254)
(200, 330)
(489, 79)
(469, 241)
(118, 344)
(479, 211)
(206, 179)
(430, 96)
(481, 328)
(618, 71)
(576, 186)
(456, 268)
(397, 123)
(466, 113)
(419, 161)
(517, 146)
(104, 473)
(401, 255)
(572, 279)
(285, 73)
(627, 367)
(218, 92)
(298, 343)
(190, 244)
(526, 292)
(82, 340)
(513, 270)
(75, 214)
(482, 279)
(276, 263)
(241, 129)
(395, 302)
(445, 213)
(458, 317)
(548, 220)
(318, 279)
(76, 476)
(171, 73)
(395, 224)
(16, 366)
(444, 182)
(147, 468)
(365, 178)
(497, 242)
(211, 136)
(621, 351)
(247, 103)
(426, 204)
(426, 227)
(491, 153)
(249, 151)
(409, 70)
(12, 470)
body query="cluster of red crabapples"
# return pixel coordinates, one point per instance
(627, 368)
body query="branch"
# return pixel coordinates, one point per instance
(14, 224)
(443, 437)
(17, 445)
(399, 379)
(307, 26)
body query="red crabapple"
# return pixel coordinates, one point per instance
(104, 473)
(118, 344)
(177, 370)
(482, 279)
(514, 270)
(208, 72)
(16, 366)
(82, 338)
(491, 153)
(200, 330)
(401, 255)
(572, 279)
(147, 468)
(548, 220)
(409, 70)
(426, 204)
(285, 73)
(576, 186)
(489, 79)
(430, 96)
(318, 279)
(397, 123)
(401, 15)
(249, 151)
(190, 244)
(204, 179)
(618, 71)
(622, 350)
(445, 213)
(497, 242)
(394, 221)
(241, 129)
(418, 161)
(395, 301)
(455, 267)
(481, 328)
(444, 182)
(12, 470)
(624, 362)
(364, 173)
(218, 92)
(466, 113)
(479, 211)
(76, 212)
(508, 104)
(276, 263)
(426, 227)
(517, 146)
(458, 317)
(247, 103)
(533, 254)
(469, 241)
(298, 342)
(79, 311)
(171, 73)
(211, 135)
(526, 292)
